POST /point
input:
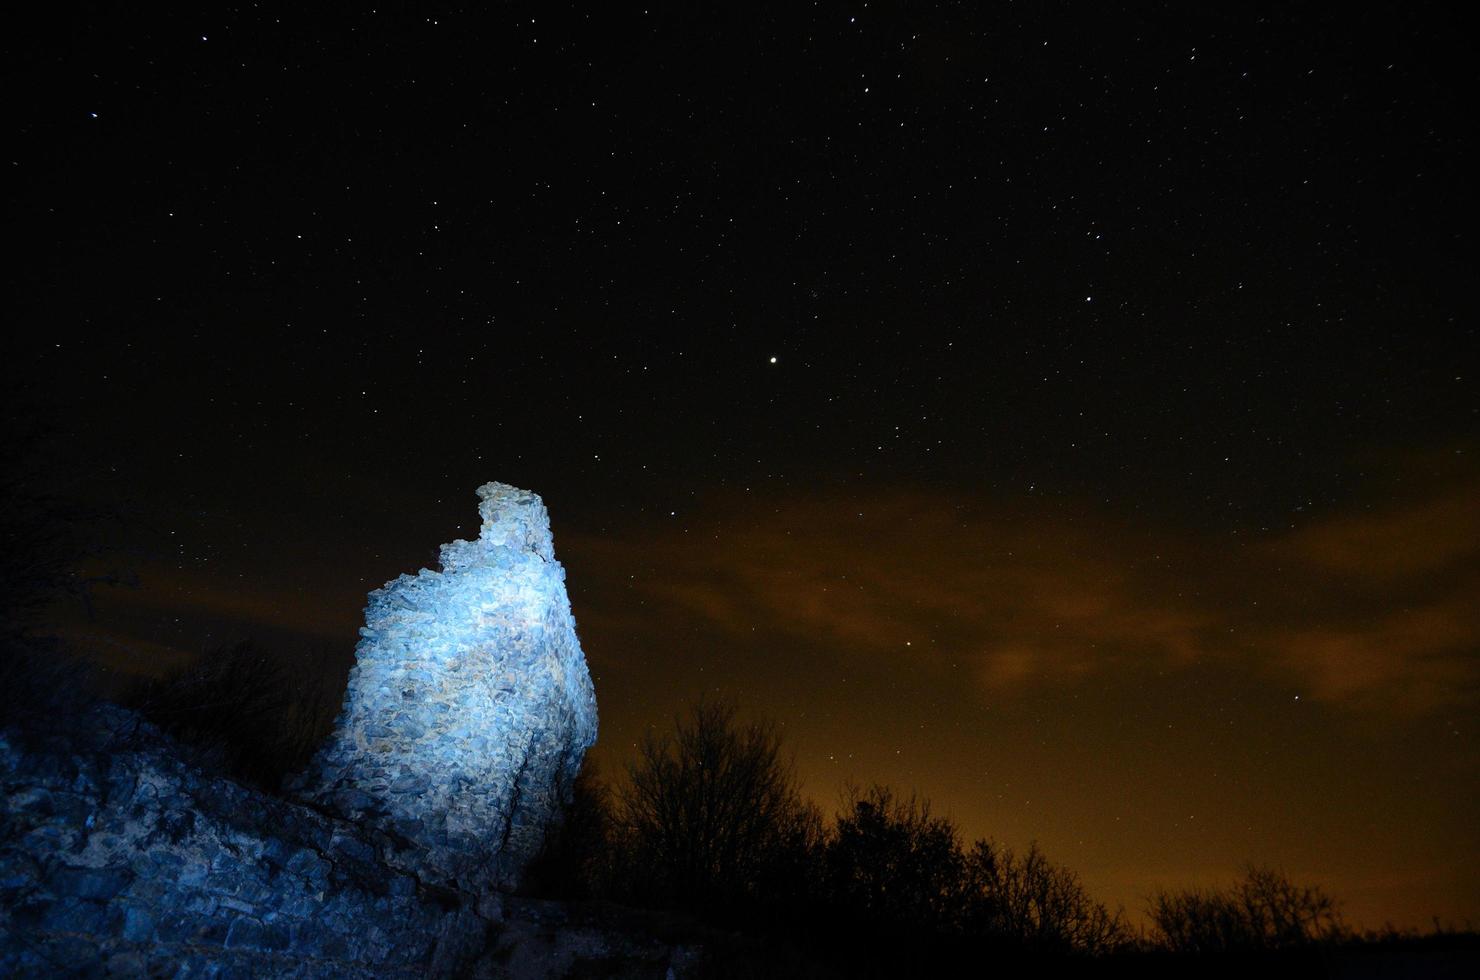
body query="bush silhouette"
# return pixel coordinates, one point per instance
(1033, 903)
(575, 859)
(1263, 910)
(709, 813)
(46, 538)
(890, 861)
(248, 713)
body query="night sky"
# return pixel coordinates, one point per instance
(1065, 411)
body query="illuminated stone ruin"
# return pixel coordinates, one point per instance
(469, 707)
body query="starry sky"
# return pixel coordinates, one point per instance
(1066, 411)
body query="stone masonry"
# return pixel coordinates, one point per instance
(467, 714)
(469, 707)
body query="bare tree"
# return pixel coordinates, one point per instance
(1262, 910)
(254, 714)
(890, 860)
(47, 537)
(576, 857)
(1031, 901)
(708, 810)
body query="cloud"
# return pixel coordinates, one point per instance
(1024, 596)
(1387, 615)
(1398, 543)
(1411, 660)
(1367, 609)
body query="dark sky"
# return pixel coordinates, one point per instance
(1064, 410)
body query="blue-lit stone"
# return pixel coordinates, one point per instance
(470, 706)
(120, 858)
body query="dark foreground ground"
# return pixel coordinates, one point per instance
(543, 938)
(117, 858)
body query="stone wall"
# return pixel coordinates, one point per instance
(469, 707)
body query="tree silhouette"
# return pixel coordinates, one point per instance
(46, 537)
(576, 857)
(710, 811)
(890, 861)
(1262, 910)
(252, 714)
(1034, 903)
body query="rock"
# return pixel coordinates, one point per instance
(468, 712)
(470, 686)
(220, 894)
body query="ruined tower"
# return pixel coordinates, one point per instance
(469, 707)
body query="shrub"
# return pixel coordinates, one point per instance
(1263, 910)
(890, 861)
(247, 713)
(1034, 903)
(709, 812)
(575, 859)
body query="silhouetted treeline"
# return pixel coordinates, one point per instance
(1262, 910)
(709, 820)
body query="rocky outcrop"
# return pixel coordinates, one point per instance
(117, 858)
(469, 707)
(467, 714)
